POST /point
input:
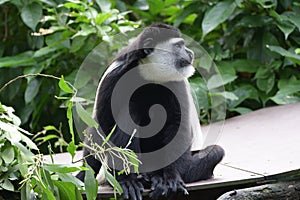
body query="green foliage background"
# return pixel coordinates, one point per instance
(255, 44)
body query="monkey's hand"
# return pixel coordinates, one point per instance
(166, 185)
(132, 187)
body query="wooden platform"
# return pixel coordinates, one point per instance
(261, 147)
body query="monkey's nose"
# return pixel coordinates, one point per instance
(190, 54)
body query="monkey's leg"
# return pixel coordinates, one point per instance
(203, 163)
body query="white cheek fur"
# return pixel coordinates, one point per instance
(164, 73)
(159, 66)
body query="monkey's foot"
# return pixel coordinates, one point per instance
(207, 159)
(132, 187)
(165, 186)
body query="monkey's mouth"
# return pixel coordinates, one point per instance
(183, 63)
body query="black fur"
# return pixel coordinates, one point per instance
(188, 167)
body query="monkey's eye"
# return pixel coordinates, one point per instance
(178, 45)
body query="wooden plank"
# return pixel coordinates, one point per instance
(226, 176)
(223, 176)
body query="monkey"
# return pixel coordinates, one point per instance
(145, 90)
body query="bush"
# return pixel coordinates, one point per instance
(49, 37)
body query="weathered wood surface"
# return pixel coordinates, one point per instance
(276, 191)
(260, 147)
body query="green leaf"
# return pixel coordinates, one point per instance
(156, 6)
(254, 21)
(91, 185)
(133, 159)
(12, 133)
(241, 110)
(86, 30)
(8, 155)
(104, 5)
(243, 92)
(85, 116)
(47, 193)
(22, 59)
(225, 95)
(32, 90)
(71, 178)
(31, 14)
(229, 95)
(77, 43)
(293, 17)
(200, 89)
(46, 138)
(50, 128)
(67, 190)
(287, 91)
(23, 168)
(263, 72)
(75, 5)
(266, 84)
(24, 150)
(286, 27)
(64, 86)
(141, 5)
(45, 51)
(109, 135)
(111, 179)
(267, 3)
(70, 119)
(47, 179)
(72, 148)
(7, 185)
(3, 1)
(292, 56)
(60, 168)
(217, 80)
(241, 65)
(217, 15)
(102, 17)
(29, 142)
(26, 193)
(187, 11)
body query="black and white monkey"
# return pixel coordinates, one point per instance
(145, 89)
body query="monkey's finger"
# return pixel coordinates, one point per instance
(155, 182)
(131, 191)
(125, 191)
(165, 190)
(138, 189)
(183, 189)
(172, 185)
(140, 185)
(156, 193)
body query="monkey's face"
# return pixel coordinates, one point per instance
(170, 61)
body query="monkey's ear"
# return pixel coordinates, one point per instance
(149, 39)
(148, 46)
